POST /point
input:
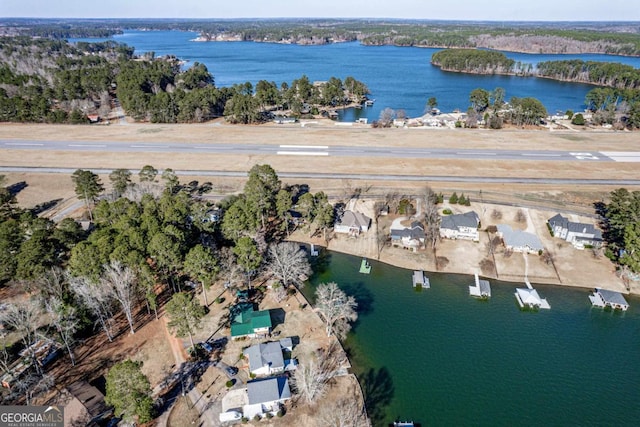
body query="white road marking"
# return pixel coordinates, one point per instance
(302, 153)
(25, 144)
(541, 155)
(623, 156)
(312, 147)
(477, 154)
(147, 146)
(87, 145)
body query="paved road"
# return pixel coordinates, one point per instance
(370, 177)
(321, 150)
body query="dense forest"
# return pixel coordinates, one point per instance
(578, 37)
(51, 81)
(615, 75)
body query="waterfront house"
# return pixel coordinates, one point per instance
(246, 322)
(352, 223)
(604, 298)
(518, 240)
(266, 396)
(269, 358)
(577, 233)
(460, 226)
(412, 237)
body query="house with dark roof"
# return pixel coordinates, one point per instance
(412, 237)
(460, 226)
(84, 405)
(246, 322)
(577, 233)
(269, 358)
(352, 223)
(266, 396)
(518, 240)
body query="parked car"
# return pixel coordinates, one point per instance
(231, 370)
(207, 347)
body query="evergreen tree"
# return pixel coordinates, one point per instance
(129, 392)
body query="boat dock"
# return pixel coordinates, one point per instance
(365, 267)
(604, 298)
(314, 251)
(420, 280)
(482, 288)
(529, 297)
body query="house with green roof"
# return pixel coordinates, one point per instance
(246, 322)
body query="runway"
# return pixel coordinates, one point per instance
(321, 150)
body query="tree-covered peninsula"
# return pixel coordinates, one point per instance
(51, 81)
(473, 61)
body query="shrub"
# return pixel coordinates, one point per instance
(291, 291)
(269, 415)
(219, 300)
(257, 418)
(454, 198)
(569, 114)
(280, 413)
(252, 375)
(550, 230)
(229, 383)
(578, 120)
(539, 252)
(447, 212)
(245, 420)
(458, 124)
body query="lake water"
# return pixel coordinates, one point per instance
(441, 357)
(398, 77)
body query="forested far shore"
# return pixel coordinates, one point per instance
(527, 37)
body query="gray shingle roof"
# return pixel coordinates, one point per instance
(268, 390)
(416, 231)
(519, 238)
(575, 227)
(454, 222)
(612, 297)
(354, 219)
(265, 354)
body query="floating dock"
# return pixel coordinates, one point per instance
(529, 298)
(369, 102)
(420, 280)
(365, 267)
(482, 288)
(314, 251)
(604, 298)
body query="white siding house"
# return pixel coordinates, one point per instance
(460, 226)
(576, 233)
(518, 240)
(352, 223)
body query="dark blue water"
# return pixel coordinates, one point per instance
(441, 357)
(398, 77)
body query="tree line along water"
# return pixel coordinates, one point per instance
(398, 77)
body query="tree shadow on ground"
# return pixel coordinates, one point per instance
(378, 391)
(14, 189)
(42, 207)
(320, 264)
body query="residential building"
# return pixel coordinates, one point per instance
(246, 322)
(412, 237)
(577, 233)
(84, 405)
(352, 223)
(518, 240)
(269, 358)
(266, 396)
(460, 226)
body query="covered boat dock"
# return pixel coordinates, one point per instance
(604, 298)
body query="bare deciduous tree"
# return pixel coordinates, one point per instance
(289, 263)
(30, 385)
(521, 216)
(496, 214)
(24, 318)
(336, 309)
(63, 318)
(311, 379)
(97, 299)
(123, 284)
(431, 217)
(344, 412)
(279, 292)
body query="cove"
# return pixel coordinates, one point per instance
(441, 357)
(398, 77)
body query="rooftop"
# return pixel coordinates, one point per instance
(519, 238)
(268, 390)
(455, 222)
(266, 354)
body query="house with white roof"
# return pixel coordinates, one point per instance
(577, 233)
(460, 226)
(518, 240)
(269, 358)
(352, 223)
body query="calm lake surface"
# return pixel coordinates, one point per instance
(441, 357)
(398, 77)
